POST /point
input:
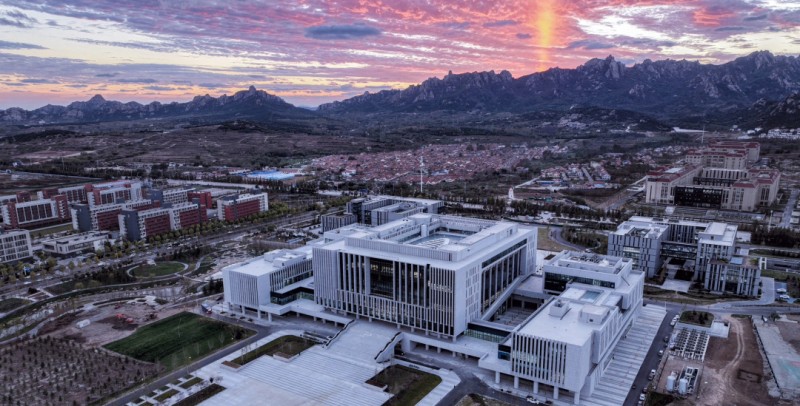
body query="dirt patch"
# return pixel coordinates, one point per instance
(733, 369)
(105, 326)
(59, 323)
(791, 331)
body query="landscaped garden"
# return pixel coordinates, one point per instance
(159, 269)
(698, 318)
(176, 340)
(408, 385)
(286, 346)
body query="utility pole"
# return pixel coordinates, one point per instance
(421, 168)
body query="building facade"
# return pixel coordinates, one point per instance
(276, 277)
(650, 241)
(73, 244)
(567, 343)
(377, 210)
(15, 245)
(429, 272)
(36, 213)
(718, 176)
(242, 206)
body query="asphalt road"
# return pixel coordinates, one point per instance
(787, 212)
(652, 359)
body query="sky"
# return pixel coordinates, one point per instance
(315, 51)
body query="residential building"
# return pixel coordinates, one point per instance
(185, 215)
(276, 277)
(15, 245)
(567, 344)
(137, 225)
(73, 244)
(36, 213)
(104, 217)
(429, 272)
(238, 207)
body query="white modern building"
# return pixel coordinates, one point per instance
(72, 244)
(649, 241)
(276, 277)
(377, 210)
(15, 245)
(567, 344)
(428, 272)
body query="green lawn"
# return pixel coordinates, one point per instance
(166, 395)
(159, 269)
(12, 303)
(408, 385)
(286, 345)
(178, 339)
(191, 382)
(697, 318)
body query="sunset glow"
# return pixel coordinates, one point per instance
(316, 51)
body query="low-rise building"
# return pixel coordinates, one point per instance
(377, 210)
(73, 244)
(276, 277)
(333, 221)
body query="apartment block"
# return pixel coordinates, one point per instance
(36, 213)
(238, 207)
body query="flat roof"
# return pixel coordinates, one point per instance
(567, 328)
(271, 261)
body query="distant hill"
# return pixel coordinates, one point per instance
(252, 104)
(666, 90)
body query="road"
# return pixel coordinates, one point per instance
(787, 212)
(555, 235)
(41, 283)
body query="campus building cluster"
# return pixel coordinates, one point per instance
(439, 278)
(707, 250)
(719, 176)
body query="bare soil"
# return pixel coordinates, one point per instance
(791, 331)
(105, 326)
(734, 369)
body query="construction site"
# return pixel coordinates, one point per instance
(701, 369)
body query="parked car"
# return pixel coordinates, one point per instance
(660, 353)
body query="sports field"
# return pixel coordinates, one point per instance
(179, 339)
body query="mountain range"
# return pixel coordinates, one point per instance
(666, 89)
(251, 104)
(760, 88)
